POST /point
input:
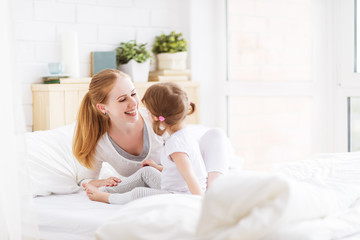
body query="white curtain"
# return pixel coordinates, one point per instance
(17, 214)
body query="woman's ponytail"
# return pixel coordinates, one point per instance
(91, 125)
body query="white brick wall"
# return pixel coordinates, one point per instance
(113, 34)
(133, 16)
(35, 31)
(54, 12)
(100, 24)
(87, 33)
(95, 14)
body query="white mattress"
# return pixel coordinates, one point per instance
(71, 216)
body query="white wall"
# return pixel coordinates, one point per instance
(208, 57)
(101, 25)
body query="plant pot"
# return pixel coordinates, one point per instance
(173, 61)
(139, 72)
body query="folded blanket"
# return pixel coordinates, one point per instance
(249, 205)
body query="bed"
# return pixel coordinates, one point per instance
(313, 199)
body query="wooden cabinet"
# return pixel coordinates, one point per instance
(55, 105)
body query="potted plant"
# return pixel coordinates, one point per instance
(134, 59)
(170, 51)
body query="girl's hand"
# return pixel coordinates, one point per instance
(152, 163)
(109, 182)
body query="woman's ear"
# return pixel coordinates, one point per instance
(101, 107)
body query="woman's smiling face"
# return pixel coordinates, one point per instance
(122, 102)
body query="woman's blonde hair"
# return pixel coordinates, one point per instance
(168, 101)
(92, 123)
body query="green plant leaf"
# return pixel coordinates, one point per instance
(170, 43)
(131, 50)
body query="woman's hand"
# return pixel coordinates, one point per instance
(152, 163)
(109, 182)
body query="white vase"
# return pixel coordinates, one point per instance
(173, 61)
(139, 72)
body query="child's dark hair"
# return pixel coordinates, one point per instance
(169, 101)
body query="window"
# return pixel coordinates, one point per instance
(274, 98)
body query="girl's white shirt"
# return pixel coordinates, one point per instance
(106, 152)
(171, 178)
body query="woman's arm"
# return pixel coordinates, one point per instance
(90, 176)
(108, 182)
(182, 162)
(153, 164)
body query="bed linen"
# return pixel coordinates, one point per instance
(71, 216)
(310, 200)
(52, 166)
(176, 217)
(342, 225)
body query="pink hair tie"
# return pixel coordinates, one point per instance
(161, 118)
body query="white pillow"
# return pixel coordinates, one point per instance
(52, 166)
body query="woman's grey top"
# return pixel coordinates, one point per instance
(141, 157)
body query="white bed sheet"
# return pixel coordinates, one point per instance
(75, 217)
(71, 216)
(340, 226)
(175, 217)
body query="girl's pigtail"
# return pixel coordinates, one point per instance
(192, 108)
(157, 129)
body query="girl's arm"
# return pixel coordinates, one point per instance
(182, 162)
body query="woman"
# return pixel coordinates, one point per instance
(112, 128)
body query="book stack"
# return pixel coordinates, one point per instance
(169, 75)
(65, 80)
(55, 78)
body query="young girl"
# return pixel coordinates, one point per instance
(182, 168)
